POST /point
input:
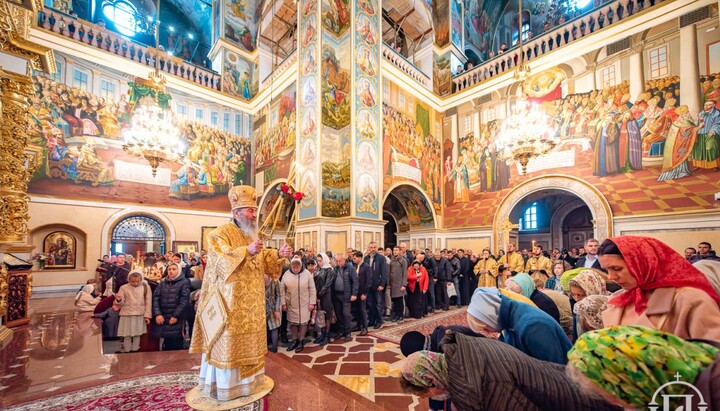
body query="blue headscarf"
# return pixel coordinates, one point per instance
(485, 306)
(526, 283)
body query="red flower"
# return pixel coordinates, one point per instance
(298, 196)
(285, 188)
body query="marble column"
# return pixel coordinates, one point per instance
(637, 72)
(690, 69)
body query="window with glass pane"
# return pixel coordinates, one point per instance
(659, 62)
(57, 76)
(238, 124)
(181, 110)
(468, 124)
(123, 15)
(81, 80)
(214, 118)
(226, 121)
(199, 114)
(107, 89)
(530, 218)
(608, 76)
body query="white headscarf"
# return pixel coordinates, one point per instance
(711, 269)
(88, 289)
(325, 260)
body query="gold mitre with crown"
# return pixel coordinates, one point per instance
(242, 197)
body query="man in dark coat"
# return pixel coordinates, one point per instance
(443, 274)
(466, 272)
(590, 259)
(378, 282)
(119, 272)
(397, 283)
(364, 272)
(345, 291)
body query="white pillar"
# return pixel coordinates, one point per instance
(689, 69)
(637, 73)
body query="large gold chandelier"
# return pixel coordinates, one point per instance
(525, 134)
(152, 134)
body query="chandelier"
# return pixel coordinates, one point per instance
(525, 134)
(152, 134)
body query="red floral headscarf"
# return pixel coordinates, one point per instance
(655, 265)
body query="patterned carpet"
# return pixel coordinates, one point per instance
(424, 325)
(158, 392)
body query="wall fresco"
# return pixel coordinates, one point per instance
(76, 137)
(239, 76)
(336, 16)
(275, 136)
(241, 18)
(367, 109)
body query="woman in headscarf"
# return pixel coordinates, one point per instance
(661, 289)
(524, 327)
(587, 282)
(418, 281)
(629, 365)
(711, 269)
(299, 301)
(589, 313)
(84, 301)
(522, 283)
(324, 280)
(486, 374)
(273, 308)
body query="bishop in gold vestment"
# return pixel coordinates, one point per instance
(233, 361)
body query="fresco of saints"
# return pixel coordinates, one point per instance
(678, 146)
(606, 147)
(462, 187)
(630, 143)
(706, 151)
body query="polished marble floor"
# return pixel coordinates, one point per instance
(61, 351)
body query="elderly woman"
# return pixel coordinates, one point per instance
(661, 289)
(589, 312)
(84, 301)
(485, 374)
(628, 365)
(324, 281)
(524, 327)
(273, 309)
(299, 301)
(169, 301)
(522, 283)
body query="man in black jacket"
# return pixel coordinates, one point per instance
(590, 259)
(119, 272)
(345, 291)
(465, 273)
(429, 263)
(378, 282)
(364, 273)
(443, 274)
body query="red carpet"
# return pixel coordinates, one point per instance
(160, 392)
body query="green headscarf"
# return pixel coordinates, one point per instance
(526, 283)
(632, 362)
(569, 275)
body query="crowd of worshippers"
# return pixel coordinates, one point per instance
(147, 305)
(619, 330)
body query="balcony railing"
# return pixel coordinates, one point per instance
(602, 17)
(406, 66)
(111, 42)
(279, 69)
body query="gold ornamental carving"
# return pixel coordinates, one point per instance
(15, 172)
(16, 19)
(4, 279)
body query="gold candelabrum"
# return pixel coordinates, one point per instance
(289, 193)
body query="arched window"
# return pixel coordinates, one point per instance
(138, 231)
(123, 15)
(530, 218)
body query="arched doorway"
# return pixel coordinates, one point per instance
(551, 218)
(138, 234)
(406, 207)
(579, 189)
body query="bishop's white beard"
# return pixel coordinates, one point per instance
(248, 227)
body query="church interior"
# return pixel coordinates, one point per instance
(442, 126)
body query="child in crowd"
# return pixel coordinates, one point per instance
(135, 301)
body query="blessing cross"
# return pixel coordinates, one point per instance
(506, 227)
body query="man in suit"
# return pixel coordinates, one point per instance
(378, 282)
(119, 272)
(590, 259)
(364, 273)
